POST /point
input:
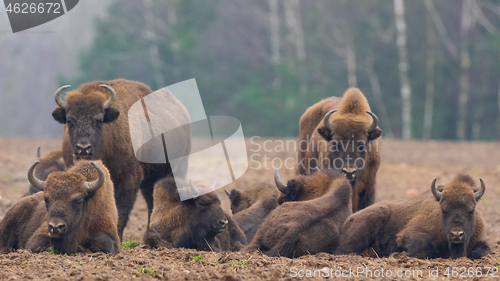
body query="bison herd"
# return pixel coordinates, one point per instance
(88, 188)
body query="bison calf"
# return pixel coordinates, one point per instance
(441, 223)
(50, 162)
(251, 206)
(198, 223)
(299, 228)
(76, 209)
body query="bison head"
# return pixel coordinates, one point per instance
(84, 116)
(458, 203)
(205, 217)
(346, 141)
(66, 196)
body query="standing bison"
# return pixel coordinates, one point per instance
(295, 229)
(96, 127)
(444, 223)
(76, 209)
(197, 223)
(50, 162)
(342, 133)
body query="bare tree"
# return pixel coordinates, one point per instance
(429, 80)
(274, 27)
(467, 22)
(377, 95)
(153, 42)
(403, 67)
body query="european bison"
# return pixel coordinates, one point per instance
(342, 133)
(76, 209)
(299, 228)
(251, 206)
(305, 187)
(50, 162)
(441, 223)
(96, 126)
(198, 223)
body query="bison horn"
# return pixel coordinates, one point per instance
(374, 124)
(38, 154)
(438, 194)
(59, 101)
(279, 184)
(227, 192)
(478, 194)
(326, 120)
(194, 189)
(98, 183)
(112, 97)
(36, 183)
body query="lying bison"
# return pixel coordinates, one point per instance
(252, 205)
(305, 187)
(76, 209)
(50, 162)
(342, 133)
(96, 127)
(439, 224)
(198, 223)
(299, 228)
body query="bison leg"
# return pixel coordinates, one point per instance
(126, 188)
(366, 197)
(147, 188)
(480, 250)
(103, 242)
(360, 231)
(38, 242)
(418, 244)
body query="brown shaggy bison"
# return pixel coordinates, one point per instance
(342, 133)
(50, 162)
(198, 223)
(299, 228)
(305, 187)
(76, 209)
(96, 126)
(442, 223)
(252, 205)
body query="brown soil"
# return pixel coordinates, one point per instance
(407, 168)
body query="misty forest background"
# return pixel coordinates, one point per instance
(430, 69)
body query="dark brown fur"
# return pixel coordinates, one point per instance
(112, 144)
(94, 227)
(299, 228)
(417, 225)
(308, 187)
(252, 205)
(350, 123)
(193, 223)
(50, 162)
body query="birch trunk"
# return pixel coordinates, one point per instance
(429, 77)
(379, 100)
(403, 68)
(274, 27)
(153, 43)
(463, 95)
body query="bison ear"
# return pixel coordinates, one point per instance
(325, 133)
(235, 197)
(374, 134)
(110, 115)
(59, 115)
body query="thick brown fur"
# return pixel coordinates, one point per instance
(48, 163)
(417, 225)
(193, 223)
(308, 187)
(114, 146)
(350, 123)
(251, 206)
(95, 228)
(299, 228)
